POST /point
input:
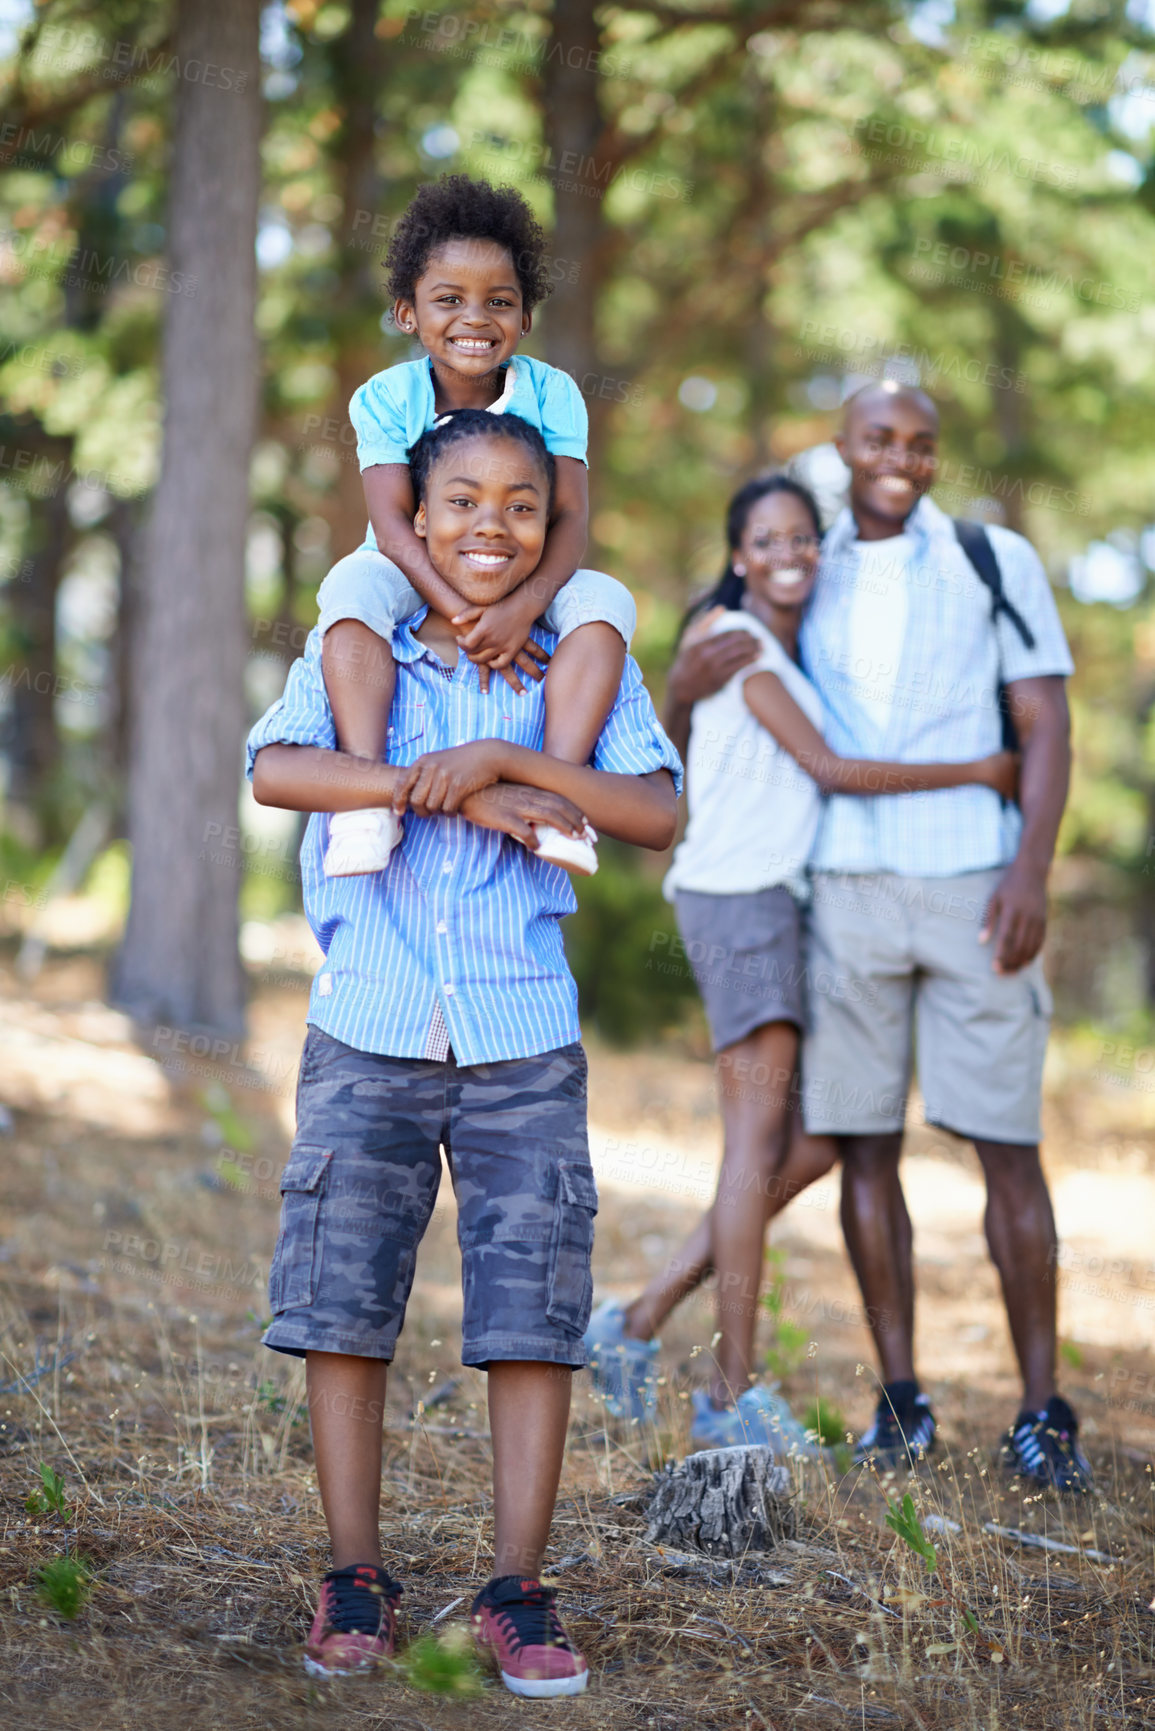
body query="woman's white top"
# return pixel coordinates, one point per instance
(753, 813)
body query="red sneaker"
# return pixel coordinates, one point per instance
(355, 1622)
(516, 1623)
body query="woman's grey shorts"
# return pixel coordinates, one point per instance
(746, 953)
(362, 1179)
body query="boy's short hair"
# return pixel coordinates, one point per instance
(456, 207)
(448, 430)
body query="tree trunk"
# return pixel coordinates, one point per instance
(34, 738)
(724, 1502)
(180, 960)
(573, 128)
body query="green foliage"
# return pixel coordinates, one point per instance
(632, 979)
(826, 1422)
(790, 1338)
(906, 1524)
(64, 1585)
(49, 1500)
(217, 1103)
(442, 1664)
(1071, 1353)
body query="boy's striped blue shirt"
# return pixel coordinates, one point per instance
(462, 918)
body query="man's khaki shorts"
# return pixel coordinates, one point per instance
(895, 964)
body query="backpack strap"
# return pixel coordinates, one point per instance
(976, 544)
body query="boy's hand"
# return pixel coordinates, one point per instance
(498, 639)
(513, 809)
(440, 780)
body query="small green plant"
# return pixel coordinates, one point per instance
(218, 1104)
(1071, 1353)
(270, 1397)
(49, 1500)
(907, 1525)
(64, 1585)
(790, 1338)
(443, 1664)
(827, 1423)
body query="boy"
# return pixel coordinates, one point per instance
(444, 1014)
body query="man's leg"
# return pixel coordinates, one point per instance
(1020, 1229)
(877, 1229)
(528, 1414)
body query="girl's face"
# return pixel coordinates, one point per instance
(467, 309)
(778, 550)
(484, 516)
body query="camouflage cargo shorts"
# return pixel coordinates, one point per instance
(362, 1179)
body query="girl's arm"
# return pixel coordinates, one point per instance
(770, 703)
(389, 497)
(642, 809)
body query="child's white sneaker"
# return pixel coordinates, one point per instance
(361, 841)
(576, 853)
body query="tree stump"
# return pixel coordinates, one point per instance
(724, 1502)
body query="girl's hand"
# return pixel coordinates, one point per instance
(514, 809)
(497, 638)
(1000, 771)
(440, 781)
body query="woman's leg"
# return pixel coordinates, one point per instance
(808, 1158)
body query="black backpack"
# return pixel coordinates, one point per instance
(976, 544)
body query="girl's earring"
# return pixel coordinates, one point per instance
(739, 570)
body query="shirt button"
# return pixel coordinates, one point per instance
(448, 991)
(442, 927)
(448, 866)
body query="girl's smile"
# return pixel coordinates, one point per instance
(468, 311)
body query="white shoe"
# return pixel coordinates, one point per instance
(361, 841)
(575, 852)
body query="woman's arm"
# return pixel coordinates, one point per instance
(642, 809)
(771, 704)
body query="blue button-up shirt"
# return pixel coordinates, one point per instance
(944, 703)
(462, 918)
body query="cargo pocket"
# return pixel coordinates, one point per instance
(297, 1258)
(571, 1285)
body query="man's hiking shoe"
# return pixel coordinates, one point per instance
(515, 1623)
(903, 1430)
(355, 1623)
(1044, 1448)
(361, 842)
(759, 1417)
(623, 1371)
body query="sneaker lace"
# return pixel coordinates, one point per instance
(534, 1620)
(358, 1601)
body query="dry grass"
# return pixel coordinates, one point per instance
(188, 1473)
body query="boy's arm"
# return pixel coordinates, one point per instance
(498, 632)
(642, 809)
(312, 778)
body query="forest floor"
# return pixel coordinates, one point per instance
(138, 1213)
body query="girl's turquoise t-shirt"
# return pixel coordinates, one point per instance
(391, 410)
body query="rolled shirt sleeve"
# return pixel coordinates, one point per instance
(633, 740)
(1026, 587)
(301, 715)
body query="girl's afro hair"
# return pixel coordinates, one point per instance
(459, 208)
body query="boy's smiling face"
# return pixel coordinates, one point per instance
(467, 310)
(484, 516)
